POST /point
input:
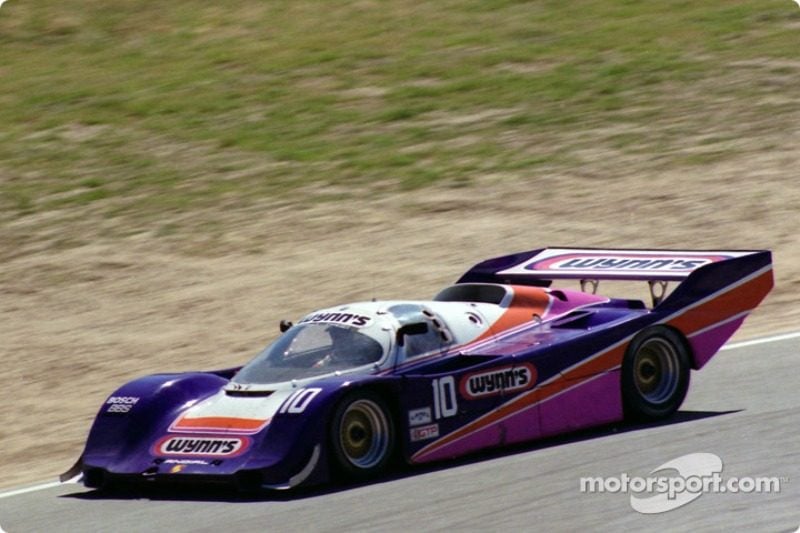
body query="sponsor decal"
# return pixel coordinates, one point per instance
(498, 380)
(299, 400)
(417, 417)
(176, 469)
(348, 319)
(431, 431)
(635, 263)
(121, 404)
(445, 401)
(185, 462)
(196, 445)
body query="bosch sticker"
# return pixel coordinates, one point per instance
(121, 404)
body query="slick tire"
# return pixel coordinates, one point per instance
(655, 374)
(362, 436)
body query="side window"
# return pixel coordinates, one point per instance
(434, 340)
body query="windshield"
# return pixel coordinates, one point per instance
(308, 350)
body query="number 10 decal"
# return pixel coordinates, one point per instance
(445, 403)
(299, 400)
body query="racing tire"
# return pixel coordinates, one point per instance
(655, 374)
(362, 436)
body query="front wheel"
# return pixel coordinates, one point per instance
(655, 374)
(362, 435)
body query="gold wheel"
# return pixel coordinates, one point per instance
(656, 373)
(364, 434)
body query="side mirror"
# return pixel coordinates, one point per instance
(285, 324)
(417, 328)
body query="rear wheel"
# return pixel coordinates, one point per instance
(362, 435)
(655, 374)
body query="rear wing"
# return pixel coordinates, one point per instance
(709, 270)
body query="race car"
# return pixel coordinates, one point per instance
(502, 356)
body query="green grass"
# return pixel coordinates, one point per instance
(142, 107)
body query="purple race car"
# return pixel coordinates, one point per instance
(500, 357)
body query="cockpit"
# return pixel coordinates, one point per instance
(369, 338)
(316, 348)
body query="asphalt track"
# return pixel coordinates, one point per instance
(743, 407)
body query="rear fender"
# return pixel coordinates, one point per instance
(711, 304)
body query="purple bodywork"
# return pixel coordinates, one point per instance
(551, 374)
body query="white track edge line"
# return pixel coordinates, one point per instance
(32, 488)
(762, 340)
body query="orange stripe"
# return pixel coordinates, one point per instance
(604, 362)
(220, 422)
(736, 300)
(527, 301)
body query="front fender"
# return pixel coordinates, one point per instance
(138, 409)
(303, 422)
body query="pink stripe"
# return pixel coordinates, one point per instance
(590, 402)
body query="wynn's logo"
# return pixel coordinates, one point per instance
(202, 446)
(586, 262)
(498, 380)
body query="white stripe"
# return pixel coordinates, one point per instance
(583, 362)
(560, 374)
(34, 488)
(764, 340)
(721, 323)
(519, 328)
(432, 447)
(724, 290)
(513, 413)
(666, 320)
